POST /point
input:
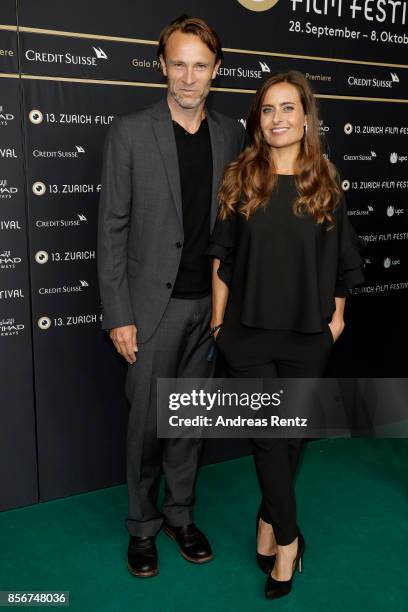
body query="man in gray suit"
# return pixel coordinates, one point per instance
(162, 169)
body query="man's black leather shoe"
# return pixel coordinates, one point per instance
(142, 557)
(192, 542)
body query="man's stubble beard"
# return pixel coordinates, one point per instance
(190, 104)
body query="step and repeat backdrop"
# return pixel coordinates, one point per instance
(66, 70)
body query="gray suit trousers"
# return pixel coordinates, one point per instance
(171, 352)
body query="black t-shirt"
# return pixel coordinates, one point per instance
(284, 271)
(195, 163)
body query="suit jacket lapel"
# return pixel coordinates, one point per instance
(164, 132)
(217, 146)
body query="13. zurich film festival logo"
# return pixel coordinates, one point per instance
(258, 5)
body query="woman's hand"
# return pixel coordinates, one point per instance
(215, 324)
(220, 293)
(336, 326)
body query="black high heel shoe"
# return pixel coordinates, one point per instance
(265, 562)
(279, 588)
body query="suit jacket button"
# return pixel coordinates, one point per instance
(178, 245)
(169, 285)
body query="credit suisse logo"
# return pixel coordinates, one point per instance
(66, 58)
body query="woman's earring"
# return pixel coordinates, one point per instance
(305, 128)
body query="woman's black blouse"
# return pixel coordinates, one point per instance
(284, 271)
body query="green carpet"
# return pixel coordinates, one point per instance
(352, 507)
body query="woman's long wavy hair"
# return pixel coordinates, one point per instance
(250, 179)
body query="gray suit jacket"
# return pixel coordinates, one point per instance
(140, 212)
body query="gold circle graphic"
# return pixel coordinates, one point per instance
(258, 5)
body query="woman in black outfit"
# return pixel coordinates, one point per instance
(285, 258)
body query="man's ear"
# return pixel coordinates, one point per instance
(217, 65)
(163, 65)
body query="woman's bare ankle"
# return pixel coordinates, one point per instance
(266, 542)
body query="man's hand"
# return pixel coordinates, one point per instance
(124, 339)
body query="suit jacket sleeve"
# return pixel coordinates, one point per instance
(113, 227)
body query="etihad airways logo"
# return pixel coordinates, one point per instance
(258, 5)
(5, 117)
(66, 58)
(323, 129)
(10, 327)
(7, 261)
(371, 82)
(7, 191)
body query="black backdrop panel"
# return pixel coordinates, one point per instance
(81, 410)
(18, 461)
(369, 31)
(8, 41)
(8, 12)
(376, 193)
(70, 56)
(8, 54)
